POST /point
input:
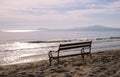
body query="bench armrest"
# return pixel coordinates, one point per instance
(50, 53)
(53, 51)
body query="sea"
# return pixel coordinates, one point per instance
(22, 46)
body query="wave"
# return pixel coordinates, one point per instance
(37, 50)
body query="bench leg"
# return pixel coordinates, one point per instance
(90, 53)
(83, 54)
(50, 57)
(83, 57)
(58, 60)
(50, 60)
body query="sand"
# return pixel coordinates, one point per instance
(102, 64)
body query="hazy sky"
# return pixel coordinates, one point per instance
(33, 14)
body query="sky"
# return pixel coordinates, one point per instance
(35, 14)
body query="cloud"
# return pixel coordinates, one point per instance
(56, 12)
(115, 4)
(113, 7)
(21, 4)
(27, 5)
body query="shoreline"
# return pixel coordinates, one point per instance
(27, 55)
(102, 64)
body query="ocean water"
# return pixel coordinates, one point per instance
(26, 46)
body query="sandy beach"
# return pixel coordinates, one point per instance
(102, 64)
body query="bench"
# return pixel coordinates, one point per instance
(62, 47)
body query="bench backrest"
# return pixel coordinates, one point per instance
(75, 45)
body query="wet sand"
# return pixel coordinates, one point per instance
(102, 64)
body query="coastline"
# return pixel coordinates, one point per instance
(102, 64)
(22, 52)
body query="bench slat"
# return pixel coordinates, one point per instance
(73, 47)
(69, 44)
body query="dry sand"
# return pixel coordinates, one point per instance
(102, 64)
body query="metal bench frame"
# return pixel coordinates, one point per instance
(68, 46)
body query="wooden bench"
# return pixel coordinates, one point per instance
(81, 45)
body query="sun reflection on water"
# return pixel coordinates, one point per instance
(20, 52)
(20, 30)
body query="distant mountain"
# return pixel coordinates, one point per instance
(89, 28)
(96, 27)
(43, 29)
